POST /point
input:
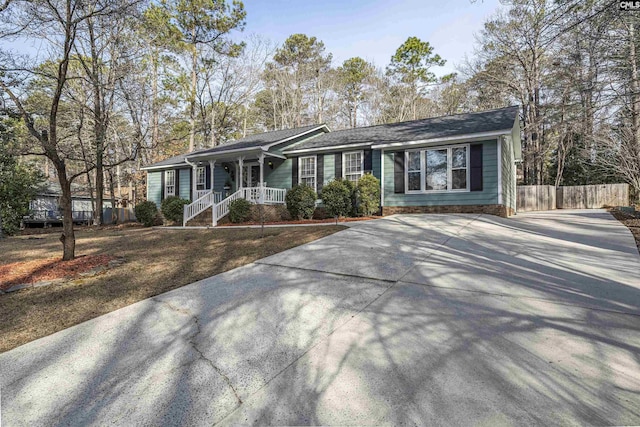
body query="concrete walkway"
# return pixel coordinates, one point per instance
(424, 319)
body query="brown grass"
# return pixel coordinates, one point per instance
(156, 262)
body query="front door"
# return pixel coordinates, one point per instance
(250, 175)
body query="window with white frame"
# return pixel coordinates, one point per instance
(170, 183)
(201, 178)
(353, 165)
(438, 169)
(307, 171)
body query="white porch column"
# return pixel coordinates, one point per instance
(240, 165)
(212, 164)
(261, 162)
(194, 183)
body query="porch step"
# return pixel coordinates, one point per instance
(203, 219)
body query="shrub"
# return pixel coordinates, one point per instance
(173, 208)
(368, 190)
(336, 197)
(301, 202)
(353, 197)
(146, 213)
(239, 210)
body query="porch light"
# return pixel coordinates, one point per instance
(270, 164)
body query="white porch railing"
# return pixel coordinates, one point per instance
(206, 200)
(220, 207)
(200, 193)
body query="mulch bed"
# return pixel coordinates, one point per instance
(48, 269)
(632, 223)
(303, 221)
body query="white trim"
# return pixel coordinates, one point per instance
(500, 141)
(223, 152)
(381, 178)
(329, 149)
(268, 146)
(315, 169)
(183, 165)
(446, 139)
(423, 169)
(344, 165)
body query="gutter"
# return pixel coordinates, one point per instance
(461, 138)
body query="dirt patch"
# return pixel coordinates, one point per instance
(632, 223)
(156, 261)
(39, 270)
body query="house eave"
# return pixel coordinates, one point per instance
(171, 166)
(327, 149)
(447, 139)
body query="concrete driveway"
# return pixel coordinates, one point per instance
(424, 319)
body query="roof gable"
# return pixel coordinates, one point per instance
(258, 141)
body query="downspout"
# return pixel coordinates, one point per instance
(194, 177)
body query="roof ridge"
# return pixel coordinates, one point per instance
(426, 118)
(271, 131)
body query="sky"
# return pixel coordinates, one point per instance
(374, 30)
(371, 29)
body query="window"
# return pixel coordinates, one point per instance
(170, 183)
(201, 178)
(307, 167)
(414, 170)
(353, 165)
(438, 169)
(459, 168)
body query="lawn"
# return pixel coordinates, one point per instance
(156, 261)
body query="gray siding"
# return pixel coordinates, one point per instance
(280, 176)
(154, 189)
(220, 176)
(329, 167)
(184, 184)
(488, 195)
(376, 156)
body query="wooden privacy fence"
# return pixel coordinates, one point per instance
(592, 196)
(535, 198)
(546, 197)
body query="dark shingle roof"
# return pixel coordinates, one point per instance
(259, 139)
(252, 141)
(435, 127)
(175, 160)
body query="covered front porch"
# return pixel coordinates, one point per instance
(220, 179)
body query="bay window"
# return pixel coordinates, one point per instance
(437, 169)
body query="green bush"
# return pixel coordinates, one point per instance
(353, 196)
(173, 208)
(301, 202)
(146, 213)
(336, 197)
(368, 190)
(239, 210)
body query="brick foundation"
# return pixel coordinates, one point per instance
(498, 210)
